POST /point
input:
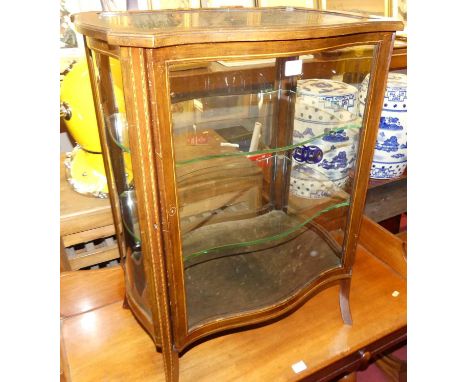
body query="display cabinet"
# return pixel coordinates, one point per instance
(239, 163)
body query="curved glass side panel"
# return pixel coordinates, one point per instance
(264, 166)
(113, 107)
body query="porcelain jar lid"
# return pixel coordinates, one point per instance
(395, 99)
(326, 102)
(324, 88)
(394, 81)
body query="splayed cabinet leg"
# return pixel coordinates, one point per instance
(345, 287)
(171, 365)
(125, 303)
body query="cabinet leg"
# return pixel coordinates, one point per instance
(171, 365)
(125, 303)
(345, 288)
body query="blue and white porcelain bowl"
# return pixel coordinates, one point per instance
(390, 154)
(325, 109)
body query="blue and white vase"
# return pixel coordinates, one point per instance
(327, 122)
(390, 154)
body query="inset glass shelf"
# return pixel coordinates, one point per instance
(272, 229)
(265, 151)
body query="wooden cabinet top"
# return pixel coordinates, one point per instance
(154, 29)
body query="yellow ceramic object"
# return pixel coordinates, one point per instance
(85, 165)
(75, 90)
(86, 173)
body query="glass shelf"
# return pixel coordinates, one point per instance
(276, 228)
(269, 150)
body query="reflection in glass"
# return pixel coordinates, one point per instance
(118, 130)
(130, 216)
(289, 3)
(264, 169)
(368, 7)
(227, 3)
(173, 4)
(402, 13)
(240, 18)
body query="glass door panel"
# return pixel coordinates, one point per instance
(110, 86)
(265, 156)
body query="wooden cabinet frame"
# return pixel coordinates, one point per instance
(145, 73)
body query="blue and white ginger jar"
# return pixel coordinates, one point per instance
(325, 109)
(390, 154)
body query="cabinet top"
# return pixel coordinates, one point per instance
(154, 29)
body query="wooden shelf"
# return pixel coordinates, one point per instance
(86, 258)
(386, 198)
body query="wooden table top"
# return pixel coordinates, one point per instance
(79, 212)
(104, 342)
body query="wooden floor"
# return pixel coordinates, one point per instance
(103, 342)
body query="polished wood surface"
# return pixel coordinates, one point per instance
(107, 343)
(64, 368)
(371, 235)
(155, 29)
(86, 291)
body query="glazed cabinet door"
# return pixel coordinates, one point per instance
(264, 155)
(114, 134)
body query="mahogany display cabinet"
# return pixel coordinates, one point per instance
(239, 160)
